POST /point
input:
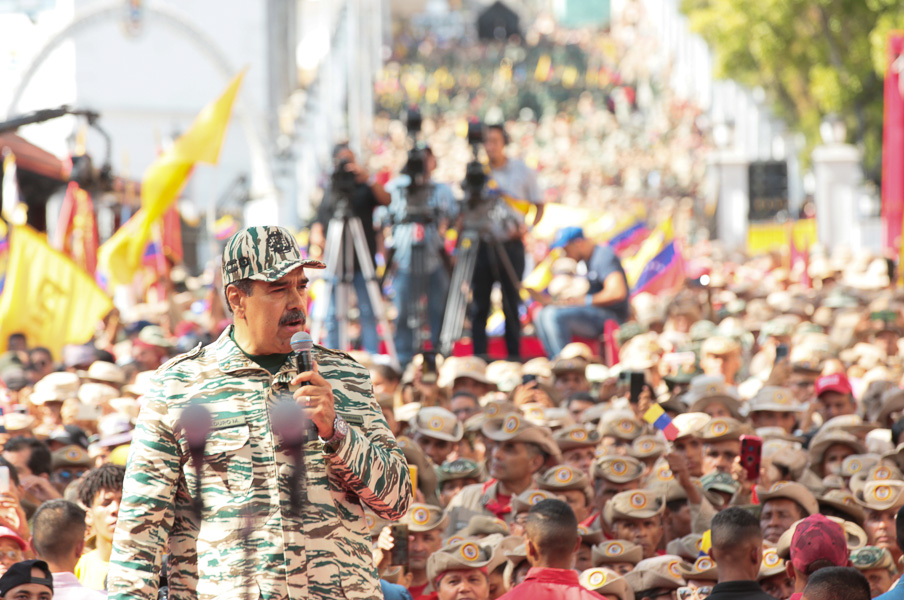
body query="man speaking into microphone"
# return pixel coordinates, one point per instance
(248, 535)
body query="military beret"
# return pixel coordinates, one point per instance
(424, 517)
(375, 523)
(620, 424)
(516, 428)
(462, 555)
(545, 416)
(562, 478)
(590, 536)
(772, 564)
(617, 469)
(633, 504)
(688, 547)
(774, 399)
(483, 525)
(576, 436)
(437, 422)
(872, 557)
(706, 389)
(71, 456)
(647, 446)
(57, 387)
(843, 501)
(856, 463)
(720, 345)
(656, 572)
(575, 364)
(823, 440)
(606, 583)
(616, 551)
(690, 424)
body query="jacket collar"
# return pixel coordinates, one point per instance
(231, 359)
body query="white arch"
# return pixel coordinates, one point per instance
(262, 182)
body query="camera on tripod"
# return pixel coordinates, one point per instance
(343, 180)
(475, 173)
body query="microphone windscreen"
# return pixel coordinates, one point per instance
(301, 342)
(196, 423)
(289, 422)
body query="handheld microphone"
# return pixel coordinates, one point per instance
(196, 424)
(302, 344)
(290, 425)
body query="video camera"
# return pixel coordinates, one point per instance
(343, 180)
(475, 173)
(417, 192)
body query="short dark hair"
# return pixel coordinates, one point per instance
(246, 286)
(734, 525)
(837, 583)
(896, 430)
(500, 128)
(899, 527)
(57, 528)
(40, 460)
(552, 526)
(105, 478)
(13, 472)
(536, 450)
(387, 372)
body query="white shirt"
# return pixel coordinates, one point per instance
(66, 586)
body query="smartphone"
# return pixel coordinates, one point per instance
(4, 479)
(399, 553)
(412, 472)
(781, 352)
(637, 382)
(751, 455)
(427, 362)
(525, 379)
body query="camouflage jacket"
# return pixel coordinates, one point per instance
(324, 553)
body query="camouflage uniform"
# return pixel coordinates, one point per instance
(324, 553)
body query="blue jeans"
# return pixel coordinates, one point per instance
(556, 325)
(369, 339)
(437, 289)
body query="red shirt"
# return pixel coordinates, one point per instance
(550, 584)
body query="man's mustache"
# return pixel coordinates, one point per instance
(292, 316)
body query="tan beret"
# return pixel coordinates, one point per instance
(616, 551)
(774, 399)
(633, 504)
(606, 583)
(576, 436)
(881, 495)
(823, 440)
(789, 490)
(772, 564)
(688, 547)
(690, 424)
(856, 463)
(706, 389)
(647, 446)
(617, 469)
(719, 345)
(843, 501)
(424, 517)
(516, 428)
(620, 424)
(483, 525)
(569, 365)
(462, 555)
(656, 572)
(546, 416)
(563, 478)
(704, 568)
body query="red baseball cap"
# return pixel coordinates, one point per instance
(6, 532)
(836, 382)
(818, 538)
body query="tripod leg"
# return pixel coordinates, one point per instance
(373, 290)
(507, 277)
(331, 253)
(459, 291)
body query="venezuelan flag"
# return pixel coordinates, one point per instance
(658, 418)
(634, 234)
(658, 265)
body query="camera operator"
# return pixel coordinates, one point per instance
(365, 195)
(517, 181)
(442, 209)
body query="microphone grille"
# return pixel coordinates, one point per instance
(301, 342)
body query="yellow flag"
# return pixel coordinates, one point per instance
(46, 296)
(120, 256)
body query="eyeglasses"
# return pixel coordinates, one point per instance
(13, 555)
(694, 593)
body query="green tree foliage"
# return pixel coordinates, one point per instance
(812, 57)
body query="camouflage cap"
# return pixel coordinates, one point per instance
(263, 253)
(562, 478)
(424, 517)
(462, 555)
(772, 564)
(873, 557)
(719, 482)
(523, 501)
(633, 504)
(576, 436)
(606, 583)
(704, 568)
(617, 469)
(657, 572)
(616, 551)
(460, 468)
(438, 423)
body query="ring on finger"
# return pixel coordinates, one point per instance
(307, 400)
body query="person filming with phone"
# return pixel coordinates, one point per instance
(606, 299)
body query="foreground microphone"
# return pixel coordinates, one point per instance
(196, 424)
(302, 344)
(290, 425)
